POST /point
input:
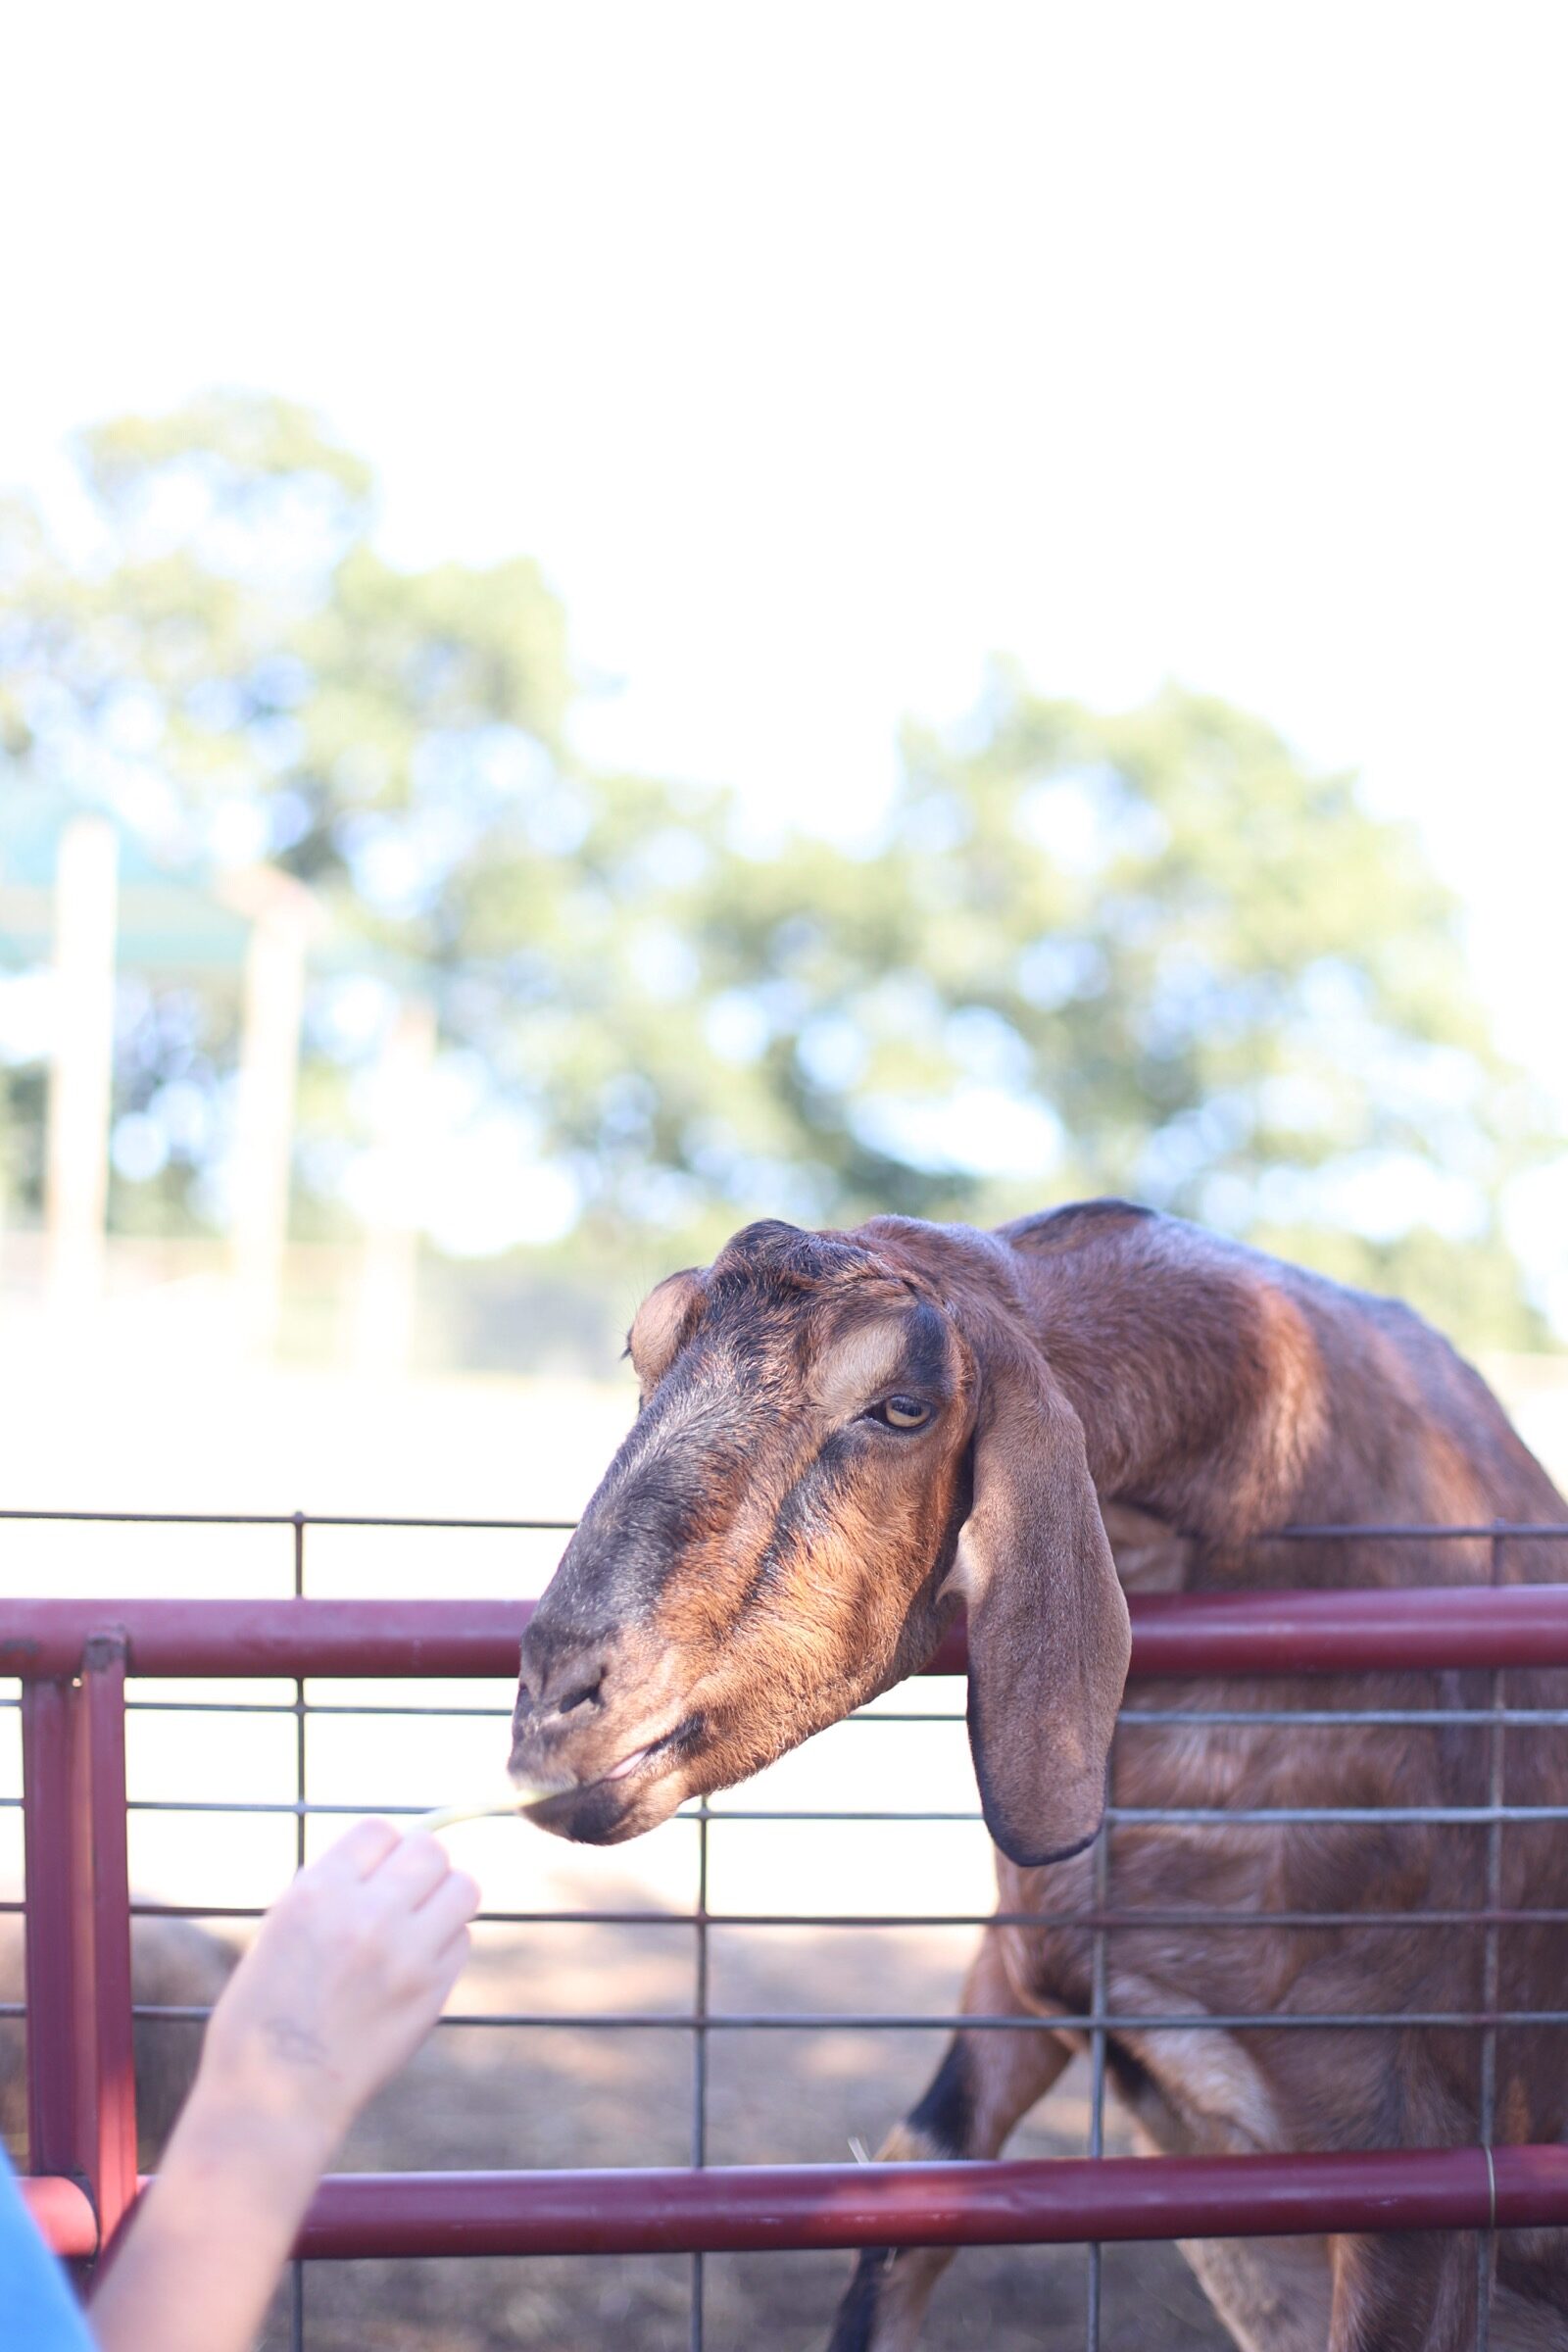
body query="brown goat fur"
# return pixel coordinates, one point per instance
(843, 1435)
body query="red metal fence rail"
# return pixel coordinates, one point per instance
(74, 1657)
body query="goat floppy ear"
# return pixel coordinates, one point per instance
(1049, 1635)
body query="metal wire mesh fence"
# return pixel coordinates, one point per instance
(71, 1660)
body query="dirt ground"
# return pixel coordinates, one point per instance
(506, 2096)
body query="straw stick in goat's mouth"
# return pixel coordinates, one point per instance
(508, 1799)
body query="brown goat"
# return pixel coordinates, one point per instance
(844, 1434)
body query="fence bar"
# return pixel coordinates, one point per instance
(1246, 1817)
(1336, 1532)
(878, 2021)
(53, 2141)
(700, 2010)
(225, 1639)
(1407, 1629)
(296, 2273)
(1497, 1798)
(1099, 2002)
(508, 1527)
(101, 1797)
(861, 1920)
(1065, 2200)
(81, 2111)
(72, 1658)
(1040, 2202)
(62, 2212)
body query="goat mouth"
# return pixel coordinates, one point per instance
(629, 1766)
(640, 1756)
(603, 1810)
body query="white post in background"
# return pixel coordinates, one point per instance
(383, 1331)
(282, 923)
(81, 1074)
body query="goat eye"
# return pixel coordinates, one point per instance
(903, 1412)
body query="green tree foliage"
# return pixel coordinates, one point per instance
(229, 664)
(1148, 953)
(1214, 980)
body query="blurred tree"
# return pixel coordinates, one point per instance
(1147, 953)
(226, 662)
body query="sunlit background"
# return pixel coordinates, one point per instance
(880, 606)
(616, 618)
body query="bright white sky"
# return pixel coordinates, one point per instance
(820, 351)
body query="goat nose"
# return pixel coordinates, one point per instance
(559, 1676)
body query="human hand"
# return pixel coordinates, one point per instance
(344, 1980)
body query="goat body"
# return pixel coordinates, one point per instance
(1224, 1396)
(842, 1435)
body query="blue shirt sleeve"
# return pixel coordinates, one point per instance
(37, 2311)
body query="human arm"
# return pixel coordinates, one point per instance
(344, 1979)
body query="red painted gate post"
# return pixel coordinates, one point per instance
(81, 2102)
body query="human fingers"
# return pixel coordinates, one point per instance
(358, 1854)
(450, 1963)
(410, 1874)
(452, 1960)
(447, 1909)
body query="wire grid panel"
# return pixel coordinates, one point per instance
(328, 1722)
(305, 1716)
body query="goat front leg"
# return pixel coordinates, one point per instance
(987, 2081)
(1415, 2294)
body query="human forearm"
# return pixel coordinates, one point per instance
(203, 2254)
(344, 1980)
